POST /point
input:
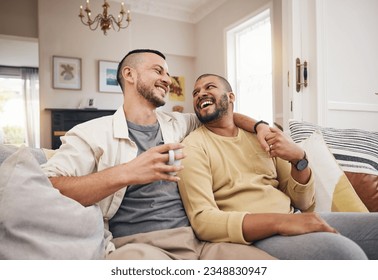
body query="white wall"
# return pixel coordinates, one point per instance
(61, 33)
(210, 41)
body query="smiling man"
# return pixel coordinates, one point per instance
(234, 191)
(121, 163)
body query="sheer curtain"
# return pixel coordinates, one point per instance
(249, 66)
(31, 94)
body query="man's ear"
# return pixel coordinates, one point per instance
(231, 95)
(128, 74)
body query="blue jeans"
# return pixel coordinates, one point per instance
(358, 240)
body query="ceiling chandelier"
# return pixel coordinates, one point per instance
(105, 20)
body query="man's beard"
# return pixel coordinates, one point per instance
(220, 110)
(148, 93)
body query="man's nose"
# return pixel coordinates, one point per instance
(202, 93)
(167, 79)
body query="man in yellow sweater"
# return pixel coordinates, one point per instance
(234, 191)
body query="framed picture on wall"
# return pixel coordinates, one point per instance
(66, 72)
(108, 76)
(177, 88)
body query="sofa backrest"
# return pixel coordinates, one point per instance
(7, 150)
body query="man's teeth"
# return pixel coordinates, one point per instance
(161, 89)
(205, 104)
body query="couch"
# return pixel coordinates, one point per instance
(347, 155)
(37, 222)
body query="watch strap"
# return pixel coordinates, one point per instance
(256, 124)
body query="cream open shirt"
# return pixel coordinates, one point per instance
(104, 142)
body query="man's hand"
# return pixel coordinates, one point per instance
(248, 124)
(282, 146)
(263, 131)
(295, 224)
(260, 226)
(152, 165)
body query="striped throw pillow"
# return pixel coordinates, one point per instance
(355, 150)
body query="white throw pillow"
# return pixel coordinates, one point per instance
(37, 222)
(333, 191)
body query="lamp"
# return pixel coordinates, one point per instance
(105, 20)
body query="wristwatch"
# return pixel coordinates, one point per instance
(256, 124)
(301, 164)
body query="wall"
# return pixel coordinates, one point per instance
(191, 49)
(210, 43)
(19, 33)
(19, 18)
(61, 33)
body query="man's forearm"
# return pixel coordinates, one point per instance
(89, 189)
(301, 177)
(259, 226)
(244, 122)
(248, 124)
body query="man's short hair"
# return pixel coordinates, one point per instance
(225, 83)
(136, 51)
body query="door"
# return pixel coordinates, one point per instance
(339, 40)
(298, 26)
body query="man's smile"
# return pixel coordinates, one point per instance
(205, 103)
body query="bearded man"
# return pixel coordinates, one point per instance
(234, 191)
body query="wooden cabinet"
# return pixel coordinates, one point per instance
(63, 120)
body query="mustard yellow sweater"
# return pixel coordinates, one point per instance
(224, 178)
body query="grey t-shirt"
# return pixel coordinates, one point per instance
(149, 207)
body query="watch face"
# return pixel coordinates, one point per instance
(302, 164)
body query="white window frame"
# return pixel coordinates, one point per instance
(231, 47)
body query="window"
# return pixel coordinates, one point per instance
(19, 106)
(249, 66)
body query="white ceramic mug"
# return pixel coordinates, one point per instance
(172, 159)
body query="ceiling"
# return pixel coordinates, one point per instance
(190, 11)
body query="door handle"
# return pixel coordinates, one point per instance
(298, 67)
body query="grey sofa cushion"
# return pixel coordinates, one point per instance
(38, 222)
(7, 150)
